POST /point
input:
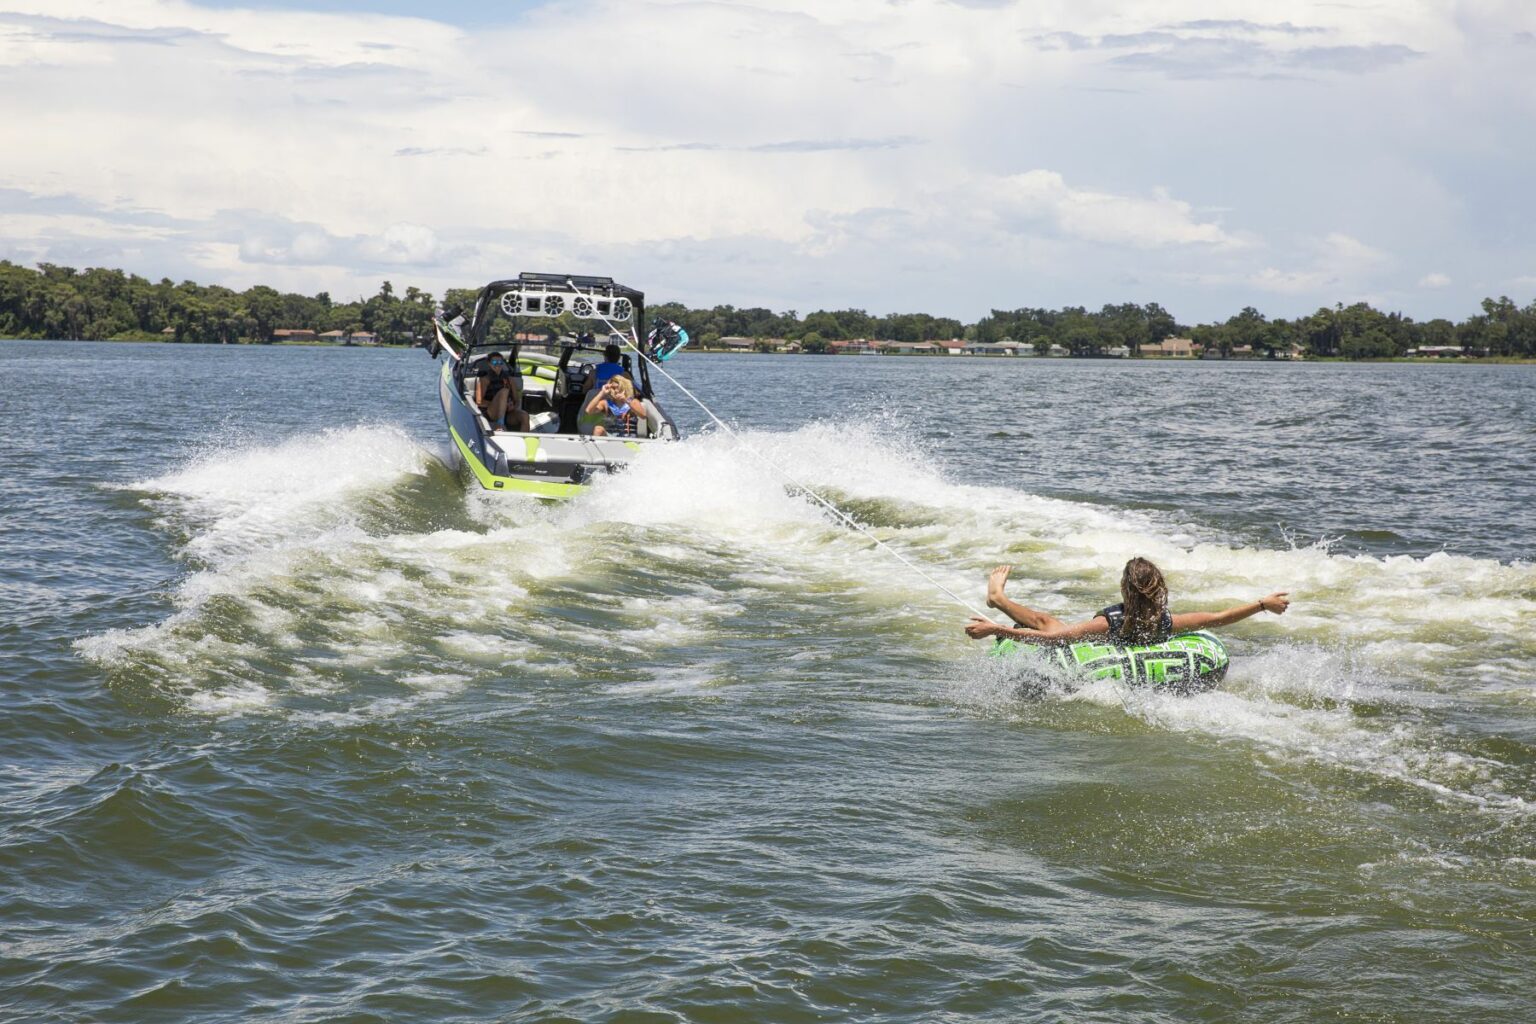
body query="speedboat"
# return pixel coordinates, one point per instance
(549, 327)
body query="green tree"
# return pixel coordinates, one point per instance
(265, 308)
(1250, 328)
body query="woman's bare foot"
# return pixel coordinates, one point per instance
(996, 580)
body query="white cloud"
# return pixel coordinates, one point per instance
(1290, 282)
(1434, 279)
(405, 244)
(1337, 261)
(871, 146)
(1146, 222)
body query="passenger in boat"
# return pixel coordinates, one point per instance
(499, 393)
(613, 409)
(647, 421)
(1142, 617)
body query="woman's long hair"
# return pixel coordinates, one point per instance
(1145, 594)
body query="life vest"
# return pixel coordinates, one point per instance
(1115, 613)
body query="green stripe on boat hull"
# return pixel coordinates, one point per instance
(510, 484)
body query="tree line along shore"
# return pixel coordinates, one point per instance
(63, 303)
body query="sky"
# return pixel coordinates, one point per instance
(940, 156)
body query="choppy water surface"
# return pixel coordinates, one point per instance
(299, 729)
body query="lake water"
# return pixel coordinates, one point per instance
(298, 728)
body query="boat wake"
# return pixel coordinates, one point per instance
(350, 576)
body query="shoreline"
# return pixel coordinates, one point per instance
(1162, 360)
(1157, 360)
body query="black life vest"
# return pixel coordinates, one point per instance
(495, 380)
(1115, 613)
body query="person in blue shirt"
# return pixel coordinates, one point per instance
(601, 373)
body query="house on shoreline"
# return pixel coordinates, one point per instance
(350, 337)
(740, 343)
(996, 348)
(1171, 348)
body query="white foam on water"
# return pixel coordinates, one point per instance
(278, 531)
(673, 621)
(275, 532)
(1310, 673)
(230, 701)
(1290, 705)
(682, 679)
(1399, 751)
(436, 683)
(242, 499)
(484, 647)
(1069, 554)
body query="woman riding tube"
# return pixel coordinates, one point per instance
(1142, 617)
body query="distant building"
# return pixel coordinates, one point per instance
(1438, 351)
(293, 334)
(1118, 351)
(352, 338)
(1175, 348)
(992, 348)
(736, 343)
(909, 348)
(953, 347)
(855, 347)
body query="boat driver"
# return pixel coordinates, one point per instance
(603, 372)
(499, 392)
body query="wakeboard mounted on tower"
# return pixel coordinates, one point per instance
(665, 339)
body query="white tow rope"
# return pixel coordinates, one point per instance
(786, 474)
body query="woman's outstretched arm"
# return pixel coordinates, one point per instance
(980, 629)
(1186, 622)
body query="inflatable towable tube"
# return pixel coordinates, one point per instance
(1184, 663)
